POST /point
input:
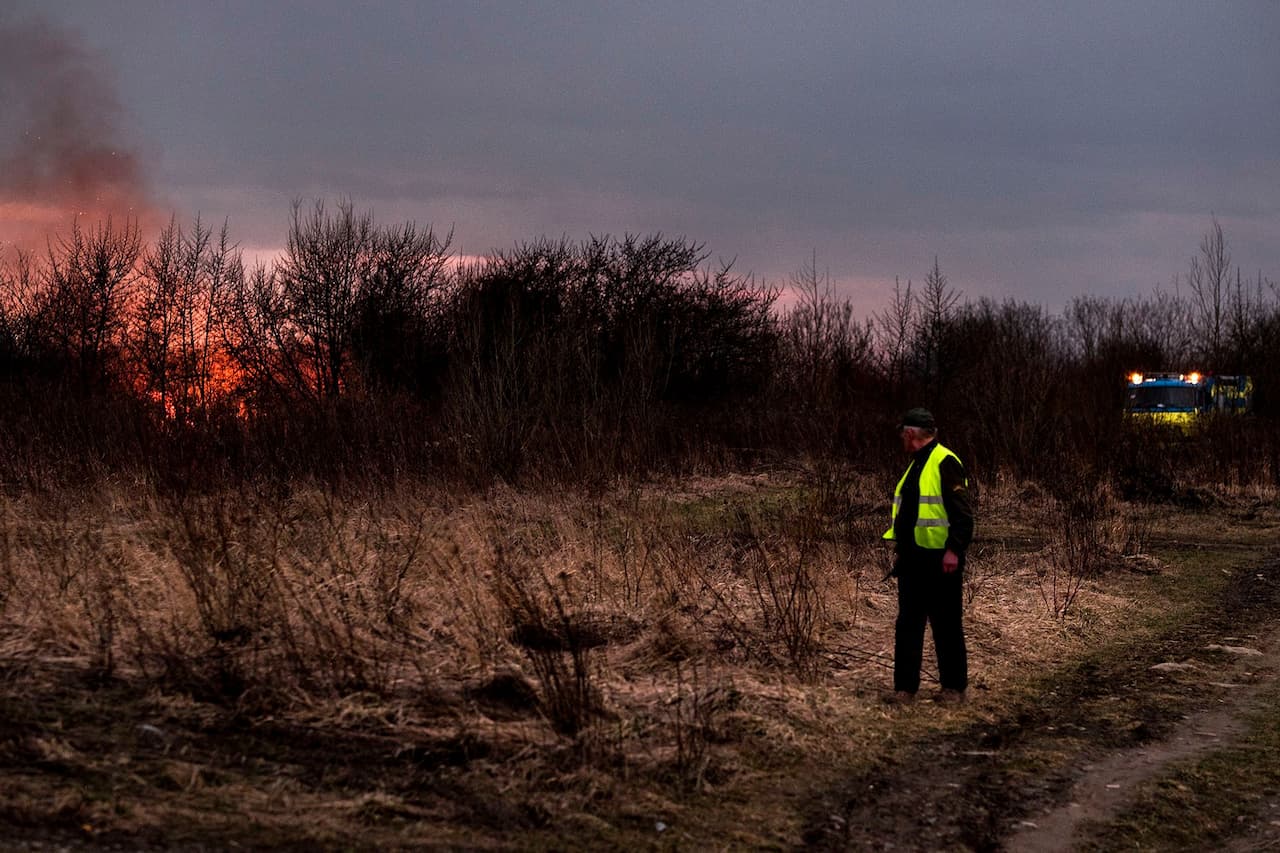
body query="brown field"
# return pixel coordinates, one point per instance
(690, 664)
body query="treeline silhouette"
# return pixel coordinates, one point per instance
(368, 354)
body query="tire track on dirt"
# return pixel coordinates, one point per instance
(1116, 721)
(1107, 786)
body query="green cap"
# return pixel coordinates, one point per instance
(922, 418)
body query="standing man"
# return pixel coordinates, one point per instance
(932, 528)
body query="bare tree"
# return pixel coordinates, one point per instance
(391, 329)
(937, 304)
(262, 339)
(347, 287)
(1246, 321)
(344, 308)
(1162, 323)
(179, 341)
(326, 259)
(17, 293)
(1209, 280)
(1089, 322)
(821, 332)
(1025, 348)
(79, 313)
(893, 332)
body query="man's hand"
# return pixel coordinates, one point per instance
(950, 561)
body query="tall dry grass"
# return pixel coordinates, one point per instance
(270, 596)
(638, 646)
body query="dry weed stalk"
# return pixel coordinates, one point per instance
(980, 568)
(694, 710)
(622, 538)
(542, 623)
(1078, 552)
(64, 573)
(349, 567)
(790, 603)
(8, 558)
(781, 580)
(1134, 533)
(283, 593)
(226, 551)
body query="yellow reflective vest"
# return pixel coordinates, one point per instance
(931, 522)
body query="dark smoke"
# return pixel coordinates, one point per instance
(63, 151)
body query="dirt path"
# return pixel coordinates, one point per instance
(1108, 785)
(1075, 753)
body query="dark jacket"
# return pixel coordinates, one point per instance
(955, 499)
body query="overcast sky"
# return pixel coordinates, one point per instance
(1039, 150)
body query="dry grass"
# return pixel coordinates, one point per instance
(408, 668)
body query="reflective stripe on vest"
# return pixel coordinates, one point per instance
(931, 520)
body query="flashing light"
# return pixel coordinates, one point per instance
(1193, 377)
(1135, 378)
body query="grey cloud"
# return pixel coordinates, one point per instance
(1011, 138)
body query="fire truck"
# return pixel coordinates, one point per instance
(1182, 399)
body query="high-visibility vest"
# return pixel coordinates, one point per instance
(931, 522)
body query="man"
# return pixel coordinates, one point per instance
(932, 527)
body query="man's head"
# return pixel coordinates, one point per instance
(917, 429)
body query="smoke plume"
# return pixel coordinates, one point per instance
(63, 151)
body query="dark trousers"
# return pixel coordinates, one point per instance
(926, 594)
